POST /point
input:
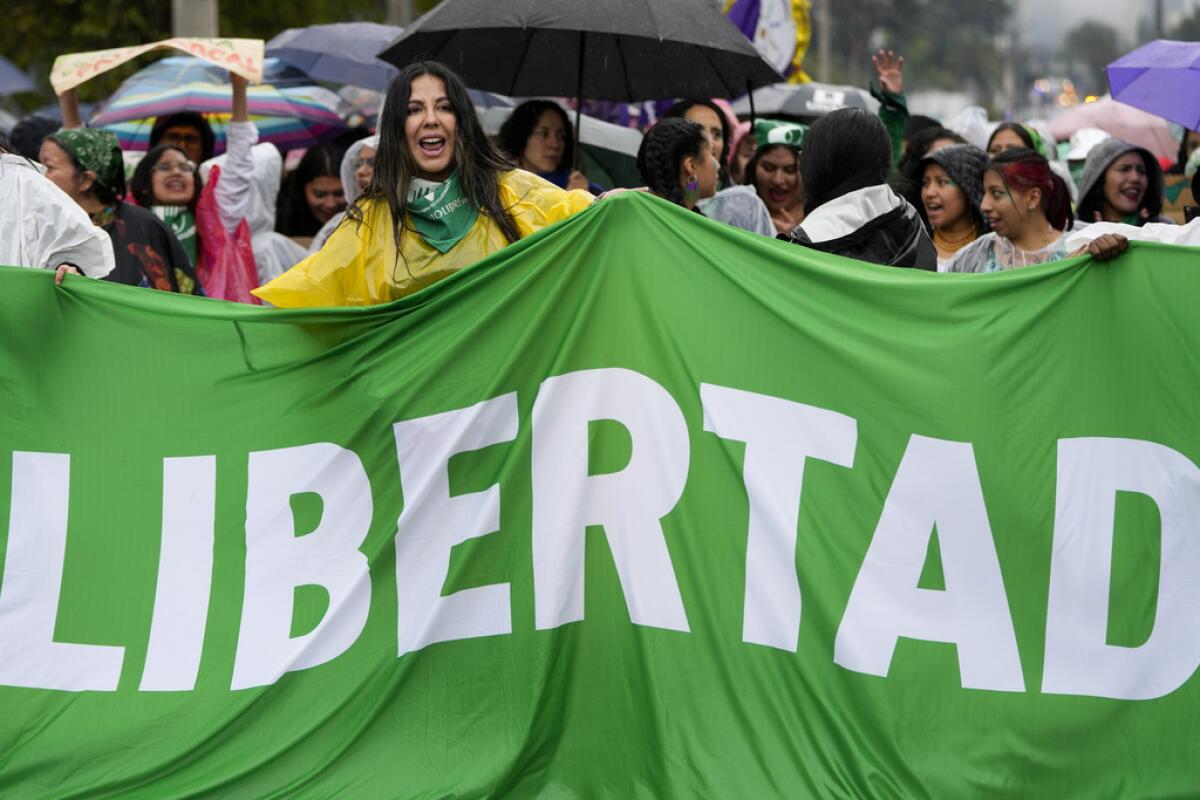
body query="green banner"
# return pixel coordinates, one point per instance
(640, 507)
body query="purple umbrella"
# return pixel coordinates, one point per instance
(1161, 77)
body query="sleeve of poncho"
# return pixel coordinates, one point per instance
(536, 203)
(327, 277)
(57, 231)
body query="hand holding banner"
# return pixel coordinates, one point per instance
(241, 56)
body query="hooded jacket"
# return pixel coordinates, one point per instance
(349, 186)
(250, 178)
(1101, 157)
(870, 224)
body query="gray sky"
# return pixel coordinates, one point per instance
(1048, 21)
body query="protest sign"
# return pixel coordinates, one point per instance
(241, 56)
(641, 506)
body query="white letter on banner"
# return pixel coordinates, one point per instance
(184, 575)
(33, 570)
(629, 503)
(278, 561)
(780, 435)
(937, 484)
(1078, 660)
(433, 522)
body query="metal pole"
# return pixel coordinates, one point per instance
(194, 18)
(1160, 31)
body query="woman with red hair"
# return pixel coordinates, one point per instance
(1028, 208)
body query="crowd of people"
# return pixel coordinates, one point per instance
(430, 192)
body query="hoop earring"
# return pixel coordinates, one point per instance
(691, 191)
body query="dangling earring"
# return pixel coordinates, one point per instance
(691, 191)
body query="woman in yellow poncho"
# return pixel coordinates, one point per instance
(440, 188)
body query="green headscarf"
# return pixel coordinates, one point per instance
(97, 151)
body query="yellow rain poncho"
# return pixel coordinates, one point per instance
(358, 264)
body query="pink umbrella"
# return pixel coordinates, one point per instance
(1122, 121)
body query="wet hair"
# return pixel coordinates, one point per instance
(662, 152)
(1020, 130)
(516, 130)
(141, 185)
(683, 106)
(846, 150)
(27, 135)
(1027, 169)
(478, 161)
(106, 195)
(295, 218)
(189, 119)
(1152, 202)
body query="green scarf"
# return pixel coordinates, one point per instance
(182, 223)
(440, 212)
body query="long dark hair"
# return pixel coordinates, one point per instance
(1027, 169)
(683, 106)
(516, 130)
(1093, 202)
(142, 187)
(1020, 130)
(295, 218)
(662, 152)
(846, 150)
(478, 161)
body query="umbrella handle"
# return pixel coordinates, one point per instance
(750, 95)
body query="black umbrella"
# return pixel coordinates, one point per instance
(623, 50)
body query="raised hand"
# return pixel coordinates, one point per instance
(889, 69)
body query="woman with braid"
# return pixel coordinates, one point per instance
(676, 162)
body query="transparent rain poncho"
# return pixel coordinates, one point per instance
(741, 207)
(993, 253)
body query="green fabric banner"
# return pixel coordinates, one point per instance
(641, 507)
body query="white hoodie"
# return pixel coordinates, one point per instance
(250, 178)
(43, 228)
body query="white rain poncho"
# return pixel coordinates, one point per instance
(349, 186)
(41, 227)
(993, 253)
(741, 207)
(1162, 232)
(250, 178)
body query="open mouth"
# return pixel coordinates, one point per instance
(777, 195)
(432, 146)
(175, 185)
(1131, 194)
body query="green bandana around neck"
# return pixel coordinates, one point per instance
(182, 223)
(440, 212)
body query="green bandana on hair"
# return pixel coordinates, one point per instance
(96, 151)
(773, 131)
(440, 212)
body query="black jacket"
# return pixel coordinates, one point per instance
(894, 238)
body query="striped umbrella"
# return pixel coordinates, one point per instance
(290, 118)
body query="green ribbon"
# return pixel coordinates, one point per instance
(440, 212)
